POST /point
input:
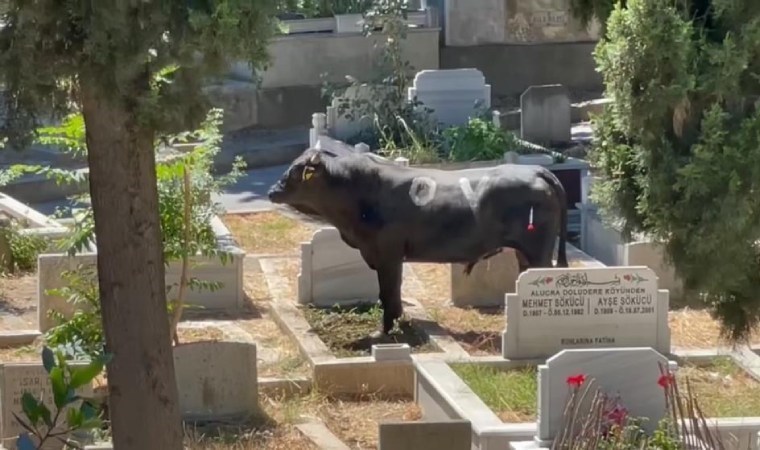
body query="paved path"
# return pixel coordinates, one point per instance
(249, 193)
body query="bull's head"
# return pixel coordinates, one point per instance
(297, 186)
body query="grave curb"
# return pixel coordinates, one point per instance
(353, 375)
(318, 434)
(443, 396)
(18, 338)
(231, 296)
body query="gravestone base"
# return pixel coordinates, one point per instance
(529, 445)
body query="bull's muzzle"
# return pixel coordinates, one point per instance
(276, 193)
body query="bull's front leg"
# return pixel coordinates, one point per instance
(390, 276)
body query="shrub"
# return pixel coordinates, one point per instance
(678, 148)
(479, 140)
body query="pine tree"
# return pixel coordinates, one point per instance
(134, 68)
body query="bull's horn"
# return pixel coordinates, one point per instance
(315, 159)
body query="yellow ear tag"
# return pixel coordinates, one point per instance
(308, 172)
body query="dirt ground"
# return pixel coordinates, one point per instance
(477, 330)
(18, 302)
(268, 232)
(354, 420)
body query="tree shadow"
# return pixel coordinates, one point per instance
(249, 311)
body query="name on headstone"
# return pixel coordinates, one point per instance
(15, 379)
(555, 309)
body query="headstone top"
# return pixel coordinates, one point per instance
(545, 115)
(452, 94)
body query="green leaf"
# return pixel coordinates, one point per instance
(44, 412)
(60, 392)
(81, 376)
(31, 408)
(48, 359)
(74, 418)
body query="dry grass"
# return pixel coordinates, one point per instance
(26, 353)
(268, 232)
(199, 334)
(244, 438)
(354, 420)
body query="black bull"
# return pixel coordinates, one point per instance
(393, 214)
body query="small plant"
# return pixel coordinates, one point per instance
(24, 248)
(479, 140)
(42, 424)
(80, 335)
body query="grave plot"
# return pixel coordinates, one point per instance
(269, 232)
(521, 403)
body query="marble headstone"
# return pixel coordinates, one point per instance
(454, 95)
(631, 373)
(15, 379)
(334, 273)
(597, 307)
(545, 115)
(488, 282)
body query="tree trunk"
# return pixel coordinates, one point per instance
(143, 400)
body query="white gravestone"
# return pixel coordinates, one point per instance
(15, 379)
(487, 283)
(454, 94)
(631, 374)
(545, 115)
(334, 273)
(556, 309)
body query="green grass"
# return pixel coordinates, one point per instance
(511, 394)
(722, 389)
(346, 331)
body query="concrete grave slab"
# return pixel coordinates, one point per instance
(545, 115)
(448, 435)
(488, 282)
(334, 273)
(555, 309)
(15, 379)
(454, 95)
(216, 380)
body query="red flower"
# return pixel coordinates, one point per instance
(627, 277)
(665, 380)
(575, 381)
(548, 279)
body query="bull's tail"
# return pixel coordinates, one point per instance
(552, 179)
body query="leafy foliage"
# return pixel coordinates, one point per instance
(80, 335)
(118, 47)
(84, 329)
(677, 151)
(43, 424)
(24, 247)
(479, 140)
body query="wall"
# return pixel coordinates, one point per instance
(511, 68)
(290, 89)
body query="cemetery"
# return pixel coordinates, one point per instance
(274, 315)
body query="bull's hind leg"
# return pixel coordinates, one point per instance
(389, 277)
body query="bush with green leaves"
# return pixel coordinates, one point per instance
(43, 423)
(479, 140)
(185, 179)
(678, 150)
(325, 8)
(81, 334)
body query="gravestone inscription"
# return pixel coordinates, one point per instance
(556, 309)
(15, 379)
